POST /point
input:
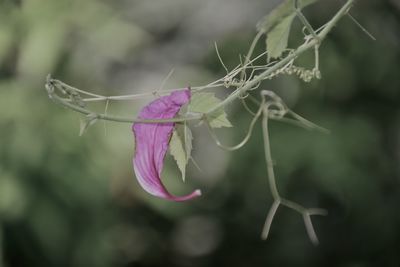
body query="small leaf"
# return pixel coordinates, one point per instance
(180, 147)
(278, 14)
(203, 102)
(276, 25)
(187, 136)
(88, 121)
(277, 38)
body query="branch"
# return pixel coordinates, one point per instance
(278, 200)
(303, 48)
(241, 89)
(51, 86)
(274, 108)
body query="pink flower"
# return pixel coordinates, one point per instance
(152, 140)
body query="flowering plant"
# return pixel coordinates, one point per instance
(160, 124)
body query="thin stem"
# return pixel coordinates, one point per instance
(293, 205)
(316, 54)
(245, 139)
(270, 219)
(220, 58)
(300, 50)
(278, 200)
(105, 113)
(247, 108)
(216, 84)
(361, 27)
(308, 124)
(165, 80)
(69, 87)
(241, 89)
(268, 158)
(310, 229)
(250, 52)
(304, 19)
(297, 119)
(140, 95)
(332, 23)
(102, 116)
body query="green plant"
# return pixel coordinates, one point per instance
(247, 77)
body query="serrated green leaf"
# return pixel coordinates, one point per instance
(180, 147)
(277, 38)
(85, 123)
(203, 102)
(177, 151)
(285, 9)
(276, 25)
(188, 137)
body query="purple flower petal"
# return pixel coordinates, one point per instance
(152, 140)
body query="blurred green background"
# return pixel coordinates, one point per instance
(67, 200)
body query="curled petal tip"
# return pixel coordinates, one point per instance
(194, 194)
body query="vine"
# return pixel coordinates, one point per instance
(244, 78)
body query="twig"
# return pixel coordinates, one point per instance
(361, 27)
(250, 52)
(241, 89)
(50, 86)
(245, 139)
(278, 200)
(303, 48)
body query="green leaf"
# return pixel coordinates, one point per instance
(278, 14)
(88, 121)
(276, 25)
(277, 38)
(187, 135)
(180, 147)
(203, 102)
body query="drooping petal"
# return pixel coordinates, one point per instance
(152, 140)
